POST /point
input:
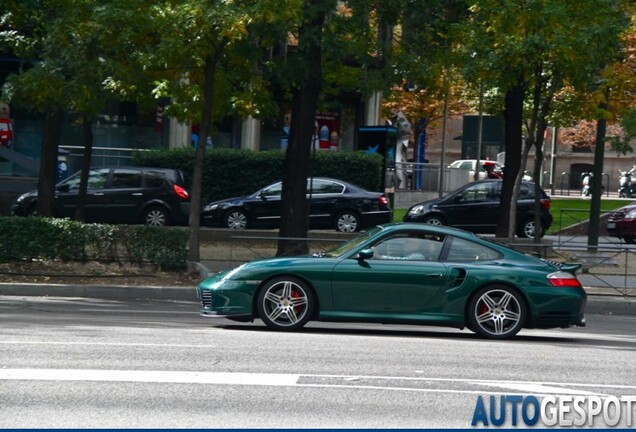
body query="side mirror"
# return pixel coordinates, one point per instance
(63, 188)
(262, 196)
(365, 254)
(458, 198)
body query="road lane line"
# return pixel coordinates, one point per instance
(227, 378)
(301, 380)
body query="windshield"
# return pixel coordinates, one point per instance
(351, 244)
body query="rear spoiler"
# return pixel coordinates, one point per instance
(566, 267)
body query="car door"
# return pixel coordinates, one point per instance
(390, 282)
(124, 195)
(67, 192)
(323, 195)
(475, 208)
(264, 208)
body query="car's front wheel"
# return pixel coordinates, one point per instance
(433, 220)
(156, 216)
(347, 222)
(285, 303)
(236, 219)
(496, 312)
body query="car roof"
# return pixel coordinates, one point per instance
(437, 229)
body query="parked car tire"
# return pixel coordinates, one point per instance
(347, 221)
(33, 210)
(156, 216)
(526, 229)
(496, 312)
(285, 303)
(236, 219)
(434, 220)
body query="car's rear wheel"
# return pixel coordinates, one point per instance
(434, 220)
(526, 229)
(347, 222)
(236, 219)
(285, 303)
(496, 312)
(156, 216)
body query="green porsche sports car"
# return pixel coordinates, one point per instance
(403, 274)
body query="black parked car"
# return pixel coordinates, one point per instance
(152, 196)
(334, 204)
(475, 207)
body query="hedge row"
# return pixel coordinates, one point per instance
(33, 238)
(229, 172)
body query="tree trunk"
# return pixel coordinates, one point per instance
(48, 163)
(197, 175)
(513, 138)
(294, 222)
(80, 210)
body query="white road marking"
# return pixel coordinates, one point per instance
(302, 380)
(228, 378)
(535, 388)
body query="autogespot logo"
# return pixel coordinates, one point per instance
(559, 411)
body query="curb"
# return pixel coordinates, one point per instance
(109, 292)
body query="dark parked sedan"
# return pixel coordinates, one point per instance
(476, 206)
(403, 274)
(153, 196)
(621, 223)
(334, 204)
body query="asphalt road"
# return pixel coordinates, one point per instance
(90, 363)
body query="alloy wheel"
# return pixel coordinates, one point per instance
(347, 222)
(497, 313)
(156, 217)
(236, 220)
(285, 304)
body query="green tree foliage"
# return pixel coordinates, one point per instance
(541, 46)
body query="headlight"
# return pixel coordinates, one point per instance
(416, 210)
(210, 207)
(631, 214)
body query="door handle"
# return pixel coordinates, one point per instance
(137, 194)
(98, 194)
(434, 275)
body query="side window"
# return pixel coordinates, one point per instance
(125, 178)
(526, 192)
(154, 179)
(477, 192)
(465, 250)
(274, 190)
(409, 247)
(97, 179)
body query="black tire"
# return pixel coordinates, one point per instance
(434, 220)
(32, 210)
(496, 312)
(285, 303)
(347, 221)
(526, 229)
(236, 219)
(156, 216)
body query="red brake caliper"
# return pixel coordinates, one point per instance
(296, 294)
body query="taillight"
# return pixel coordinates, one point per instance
(545, 203)
(181, 192)
(563, 279)
(384, 200)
